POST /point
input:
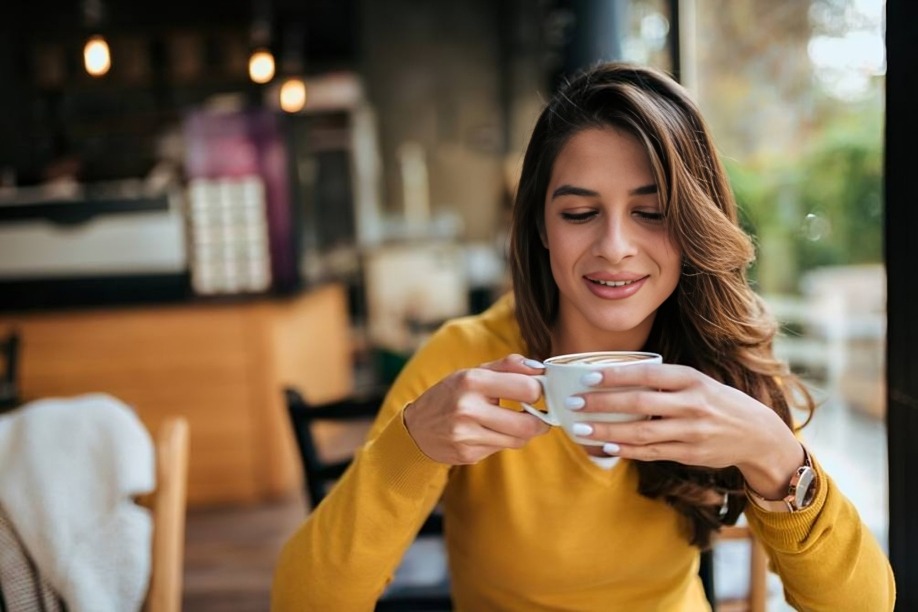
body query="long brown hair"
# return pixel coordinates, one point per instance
(713, 321)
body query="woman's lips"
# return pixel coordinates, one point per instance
(614, 288)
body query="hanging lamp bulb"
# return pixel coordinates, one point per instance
(293, 95)
(97, 58)
(261, 66)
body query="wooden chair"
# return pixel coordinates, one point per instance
(167, 504)
(9, 372)
(755, 599)
(320, 473)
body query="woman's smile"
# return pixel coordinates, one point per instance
(614, 289)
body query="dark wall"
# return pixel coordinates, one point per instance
(902, 294)
(108, 127)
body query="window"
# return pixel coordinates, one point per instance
(793, 92)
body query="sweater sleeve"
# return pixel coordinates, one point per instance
(343, 556)
(825, 555)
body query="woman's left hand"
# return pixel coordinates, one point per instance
(696, 421)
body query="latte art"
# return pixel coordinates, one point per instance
(599, 358)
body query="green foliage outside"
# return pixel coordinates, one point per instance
(821, 208)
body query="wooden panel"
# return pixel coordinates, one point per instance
(188, 361)
(219, 365)
(311, 350)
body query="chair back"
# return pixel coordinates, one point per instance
(9, 371)
(320, 473)
(756, 595)
(168, 504)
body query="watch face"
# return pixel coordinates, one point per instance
(802, 487)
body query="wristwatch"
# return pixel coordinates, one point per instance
(801, 490)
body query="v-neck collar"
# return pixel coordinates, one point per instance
(605, 476)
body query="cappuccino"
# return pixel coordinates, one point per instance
(563, 378)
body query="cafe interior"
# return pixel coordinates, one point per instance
(231, 224)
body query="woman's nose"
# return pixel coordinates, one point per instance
(614, 241)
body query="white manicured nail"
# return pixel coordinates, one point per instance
(591, 378)
(574, 402)
(581, 429)
(611, 448)
(533, 363)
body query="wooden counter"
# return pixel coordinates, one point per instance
(221, 365)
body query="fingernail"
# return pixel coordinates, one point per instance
(581, 429)
(574, 402)
(611, 448)
(591, 378)
(533, 363)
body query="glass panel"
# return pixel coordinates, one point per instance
(648, 33)
(793, 91)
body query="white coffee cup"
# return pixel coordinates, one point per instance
(563, 378)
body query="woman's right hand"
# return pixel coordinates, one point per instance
(458, 421)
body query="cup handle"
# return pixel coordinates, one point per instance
(545, 417)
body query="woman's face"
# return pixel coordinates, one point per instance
(611, 256)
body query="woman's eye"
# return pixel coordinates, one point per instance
(649, 215)
(578, 217)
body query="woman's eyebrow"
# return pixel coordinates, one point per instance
(565, 190)
(645, 190)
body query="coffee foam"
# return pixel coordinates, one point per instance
(601, 359)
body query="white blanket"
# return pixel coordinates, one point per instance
(69, 469)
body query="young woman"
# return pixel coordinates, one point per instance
(624, 237)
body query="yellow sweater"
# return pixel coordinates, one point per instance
(543, 527)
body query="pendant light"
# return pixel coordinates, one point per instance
(292, 93)
(261, 60)
(261, 66)
(97, 56)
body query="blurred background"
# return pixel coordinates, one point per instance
(202, 202)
